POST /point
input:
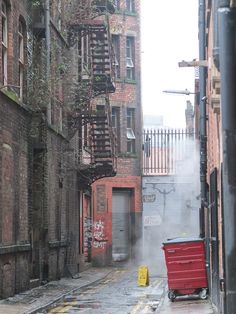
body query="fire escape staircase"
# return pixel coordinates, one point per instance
(93, 22)
(101, 56)
(101, 148)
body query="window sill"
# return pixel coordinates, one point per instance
(13, 97)
(118, 80)
(127, 155)
(55, 130)
(119, 12)
(130, 13)
(128, 81)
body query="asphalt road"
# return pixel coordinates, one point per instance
(118, 293)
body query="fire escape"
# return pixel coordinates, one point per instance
(97, 157)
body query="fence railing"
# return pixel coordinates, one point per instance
(165, 149)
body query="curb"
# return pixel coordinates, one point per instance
(48, 305)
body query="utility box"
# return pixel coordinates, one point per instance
(186, 267)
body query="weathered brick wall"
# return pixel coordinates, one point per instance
(102, 203)
(57, 202)
(14, 121)
(127, 95)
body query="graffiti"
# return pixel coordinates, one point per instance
(149, 198)
(98, 235)
(99, 244)
(88, 232)
(152, 220)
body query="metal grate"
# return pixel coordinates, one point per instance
(165, 149)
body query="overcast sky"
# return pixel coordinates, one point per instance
(169, 35)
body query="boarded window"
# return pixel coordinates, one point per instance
(101, 198)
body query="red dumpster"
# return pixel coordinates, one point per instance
(186, 267)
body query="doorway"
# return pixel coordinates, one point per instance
(121, 239)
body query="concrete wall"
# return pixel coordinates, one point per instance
(170, 209)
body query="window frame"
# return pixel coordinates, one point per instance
(130, 130)
(4, 16)
(21, 57)
(115, 118)
(130, 6)
(59, 12)
(117, 4)
(84, 55)
(116, 47)
(130, 57)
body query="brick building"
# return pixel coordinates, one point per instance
(218, 29)
(56, 59)
(117, 201)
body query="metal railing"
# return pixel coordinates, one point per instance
(165, 149)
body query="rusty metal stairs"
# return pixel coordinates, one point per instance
(102, 149)
(101, 60)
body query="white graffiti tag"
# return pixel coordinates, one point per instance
(98, 235)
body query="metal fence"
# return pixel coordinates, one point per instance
(164, 150)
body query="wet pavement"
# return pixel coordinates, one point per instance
(102, 291)
(117, 293)
(34, 300)
(185, 305)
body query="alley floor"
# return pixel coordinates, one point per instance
(102, 291)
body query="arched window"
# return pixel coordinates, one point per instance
(4, 41)
(21, 57)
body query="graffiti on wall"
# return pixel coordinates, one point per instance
(87, 236)
(99, 239)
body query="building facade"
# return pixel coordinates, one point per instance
(56, 59)
(117, 201)
(218, 29)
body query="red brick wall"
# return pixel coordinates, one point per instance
(214, 144)
(103, 214)
(127, 95)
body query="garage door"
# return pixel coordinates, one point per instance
(120, 225)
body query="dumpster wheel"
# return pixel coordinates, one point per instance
(203, 294)
(171, 295)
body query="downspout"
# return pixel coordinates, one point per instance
(227, 33)
(202, 125)
(48, 61)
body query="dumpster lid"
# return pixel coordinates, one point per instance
(180, 240)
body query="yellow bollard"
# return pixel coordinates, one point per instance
(143, 276)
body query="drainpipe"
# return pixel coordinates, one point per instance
(202, 126)
(215, 51)
(227, 42)
(48, 53)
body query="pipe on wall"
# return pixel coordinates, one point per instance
(202, 124)
(227, 49)
(48, 53)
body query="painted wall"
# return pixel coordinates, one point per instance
(170, 210)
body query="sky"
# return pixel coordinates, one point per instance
(169, 34)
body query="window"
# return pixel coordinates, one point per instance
(130, 6)
(117, 4)
(84, 55)
(130, 58)
(4, 42)
(116, 124)
(130, 132)
(116, 47)
(21, 57)
(59, 6)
